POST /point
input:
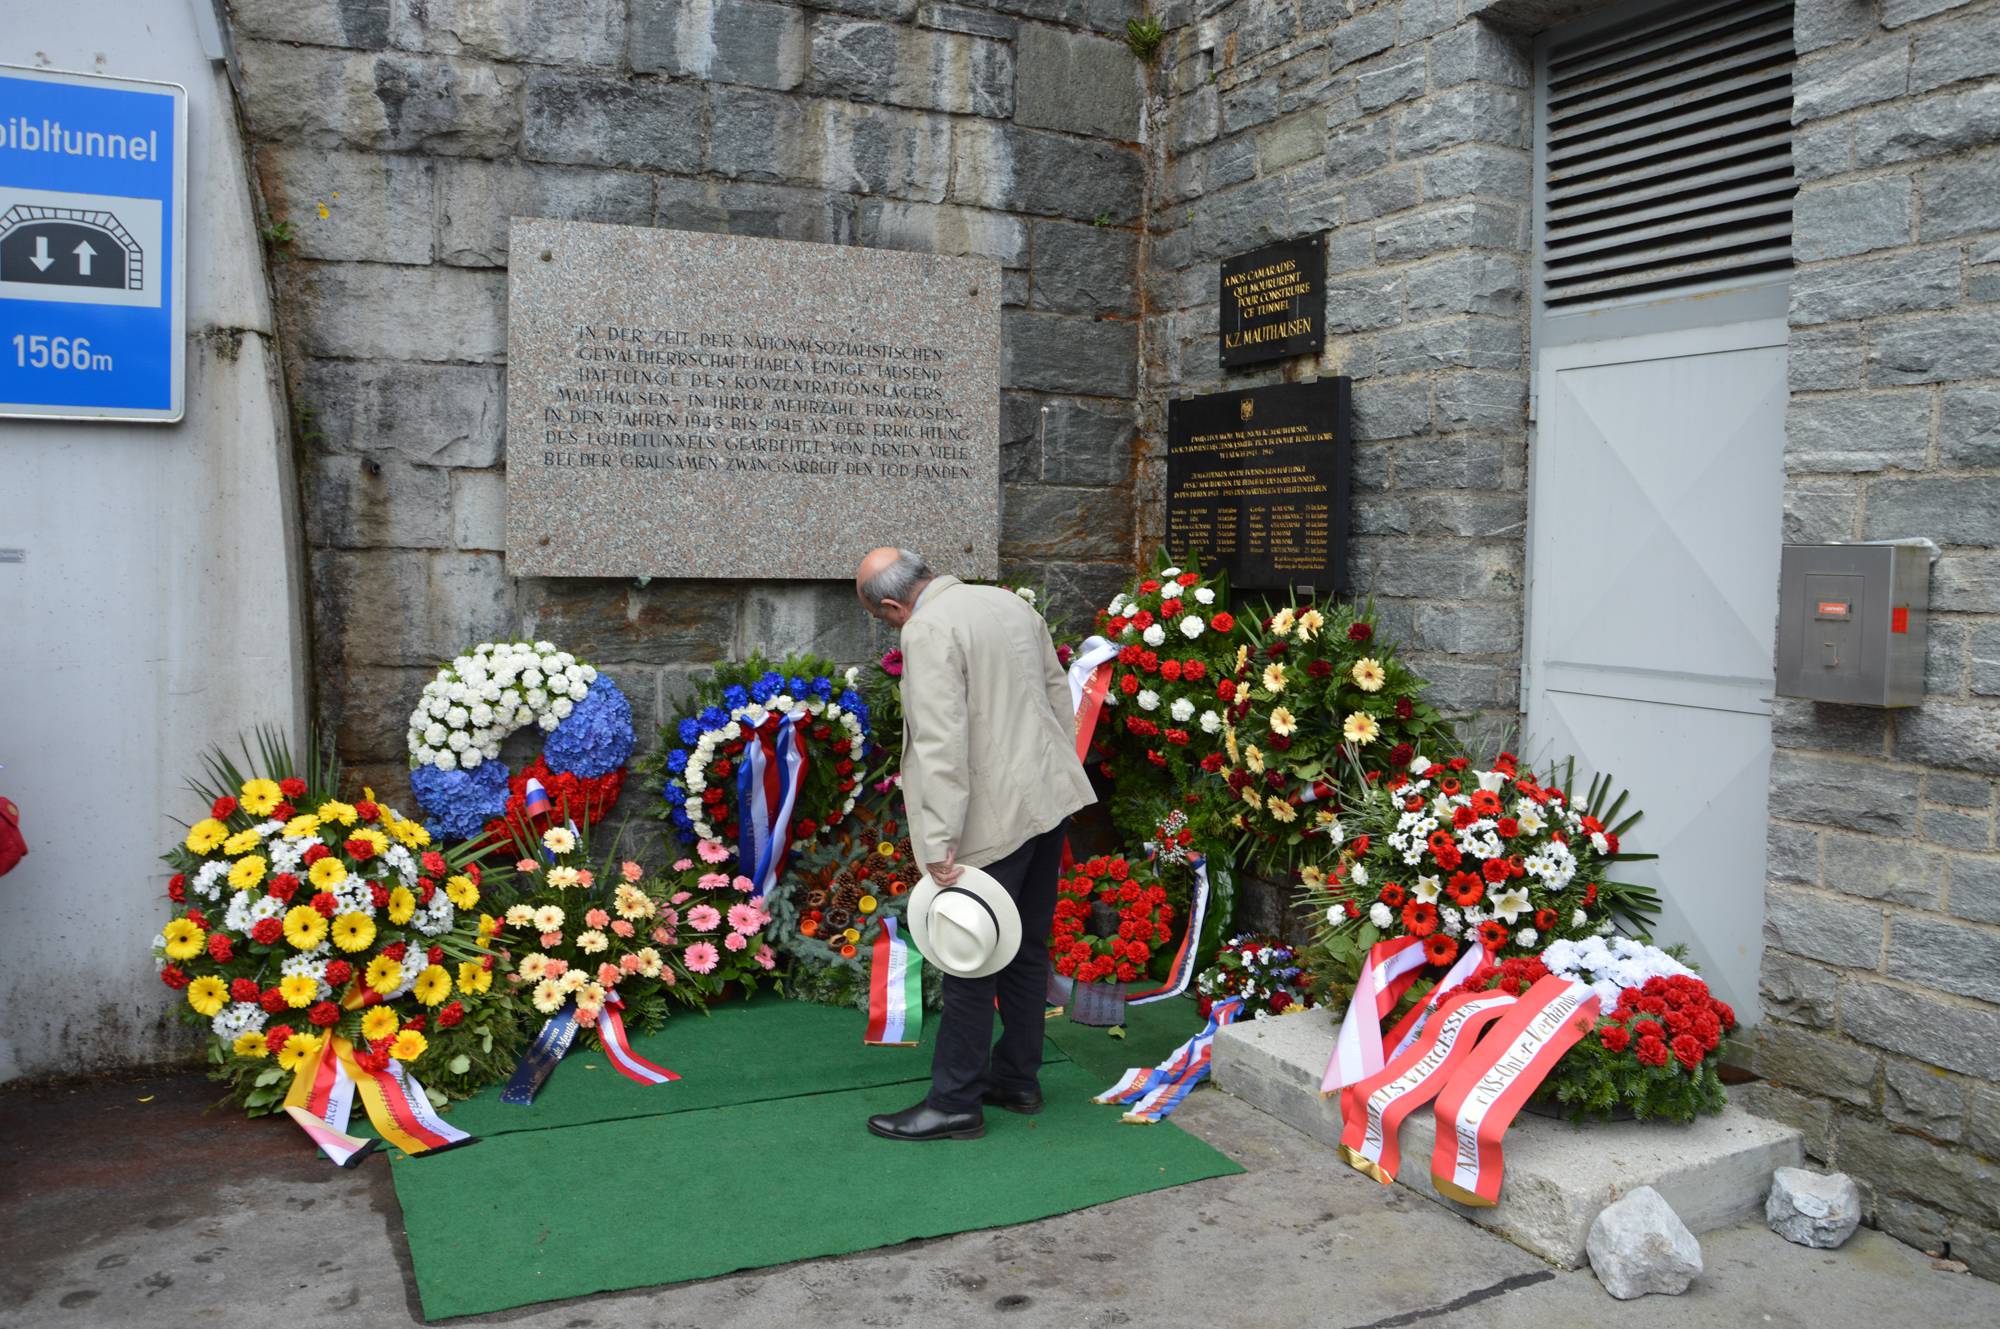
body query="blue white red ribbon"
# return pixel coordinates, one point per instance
(895, 990)
(539, 1061)
(767, 788)
(618, 1047)
(1153, 1095)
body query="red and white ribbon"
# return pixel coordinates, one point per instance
(1373, 1109)
(618, 1047)
(1089, 682)
(1407, 1029)
(1391, 968)
(1479, 1101)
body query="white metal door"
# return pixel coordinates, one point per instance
(1656, 493)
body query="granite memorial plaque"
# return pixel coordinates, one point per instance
(1274, 302)
(689, 405)
(1257, 483)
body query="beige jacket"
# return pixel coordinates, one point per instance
(989, 739)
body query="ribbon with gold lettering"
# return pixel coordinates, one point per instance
(1374, 1108)
(321, 1098)
(1476, 1105)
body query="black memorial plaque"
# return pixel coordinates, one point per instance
(1274, 302)
(1257, 483)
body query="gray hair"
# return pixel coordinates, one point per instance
(899, 581)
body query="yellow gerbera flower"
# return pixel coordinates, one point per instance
(300, 990)
(1282, 810)
(591, 941)
(334, 810)
(205, 835)
(304, 927)
(1274, 677)
(328, 873)
(302, 825)
(1367, 674)
(409, 1045)
(374, 837)
(461, 892)
(207, 994)
(1281, 622)
(241, 843)
(402, 904)
(433, 985)
(474, 978)
(248, 871)
(1252, 797)
(260, 796)
(1229, 741)
(411, 833)
(1360, 728)
(1312, 875)
(184, 939)
(533, 967)
(1253, 760)
(489, 928)
(1310, 622)
(549, 996)
(250, 1044)
(354, 931)
(559, 839)
(564, 877)
(548, 918)
(383, 974)
(298, 1051)
(379, 1023)
(1283, 722)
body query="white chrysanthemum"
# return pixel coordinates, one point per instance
(1154, 635)
(1204, 596)
(1192, 627)
(1182, 710)
(1210, 722)
(1527, 937)
(1379, 914)
(1148, 700)
(1358, 874)
(236, 1019)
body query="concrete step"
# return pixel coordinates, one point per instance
(1714, 1172)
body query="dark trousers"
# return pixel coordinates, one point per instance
(967, 1059)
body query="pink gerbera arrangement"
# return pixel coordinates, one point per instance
(712, 852)
(704, 918)
(701, 958)
(745, 918)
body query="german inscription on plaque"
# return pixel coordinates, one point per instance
(688, 405)
(1274, 302)
(1257, 483)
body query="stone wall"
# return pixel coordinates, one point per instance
(1402, 130)
(397, 137)
(1881, 978)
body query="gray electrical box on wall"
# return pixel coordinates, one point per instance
(1851, 623)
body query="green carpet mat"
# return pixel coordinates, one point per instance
(740, 1053)
(1151, 1032)
(537, 1216)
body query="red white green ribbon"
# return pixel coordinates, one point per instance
(1374, 1108)
(618, 1047)
(1479, 1101)
(895, 990)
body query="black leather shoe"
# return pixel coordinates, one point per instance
(924, 1122)
(1027, 1102)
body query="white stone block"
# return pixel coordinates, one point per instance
(1559, 1175)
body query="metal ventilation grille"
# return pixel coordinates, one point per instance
(1668, 154)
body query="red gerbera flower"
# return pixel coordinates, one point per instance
(1465, 889)
(1392, 895)
(1492, 935)
(1439, 949)
(1420, 919)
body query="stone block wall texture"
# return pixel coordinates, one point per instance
(1401, 129)
(397, 137)
(1881, 979)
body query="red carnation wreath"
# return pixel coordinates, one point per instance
(1096, 952)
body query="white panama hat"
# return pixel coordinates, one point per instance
(969, 929)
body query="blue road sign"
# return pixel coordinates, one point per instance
(93, 229)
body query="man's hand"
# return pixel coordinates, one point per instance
(946, 873)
